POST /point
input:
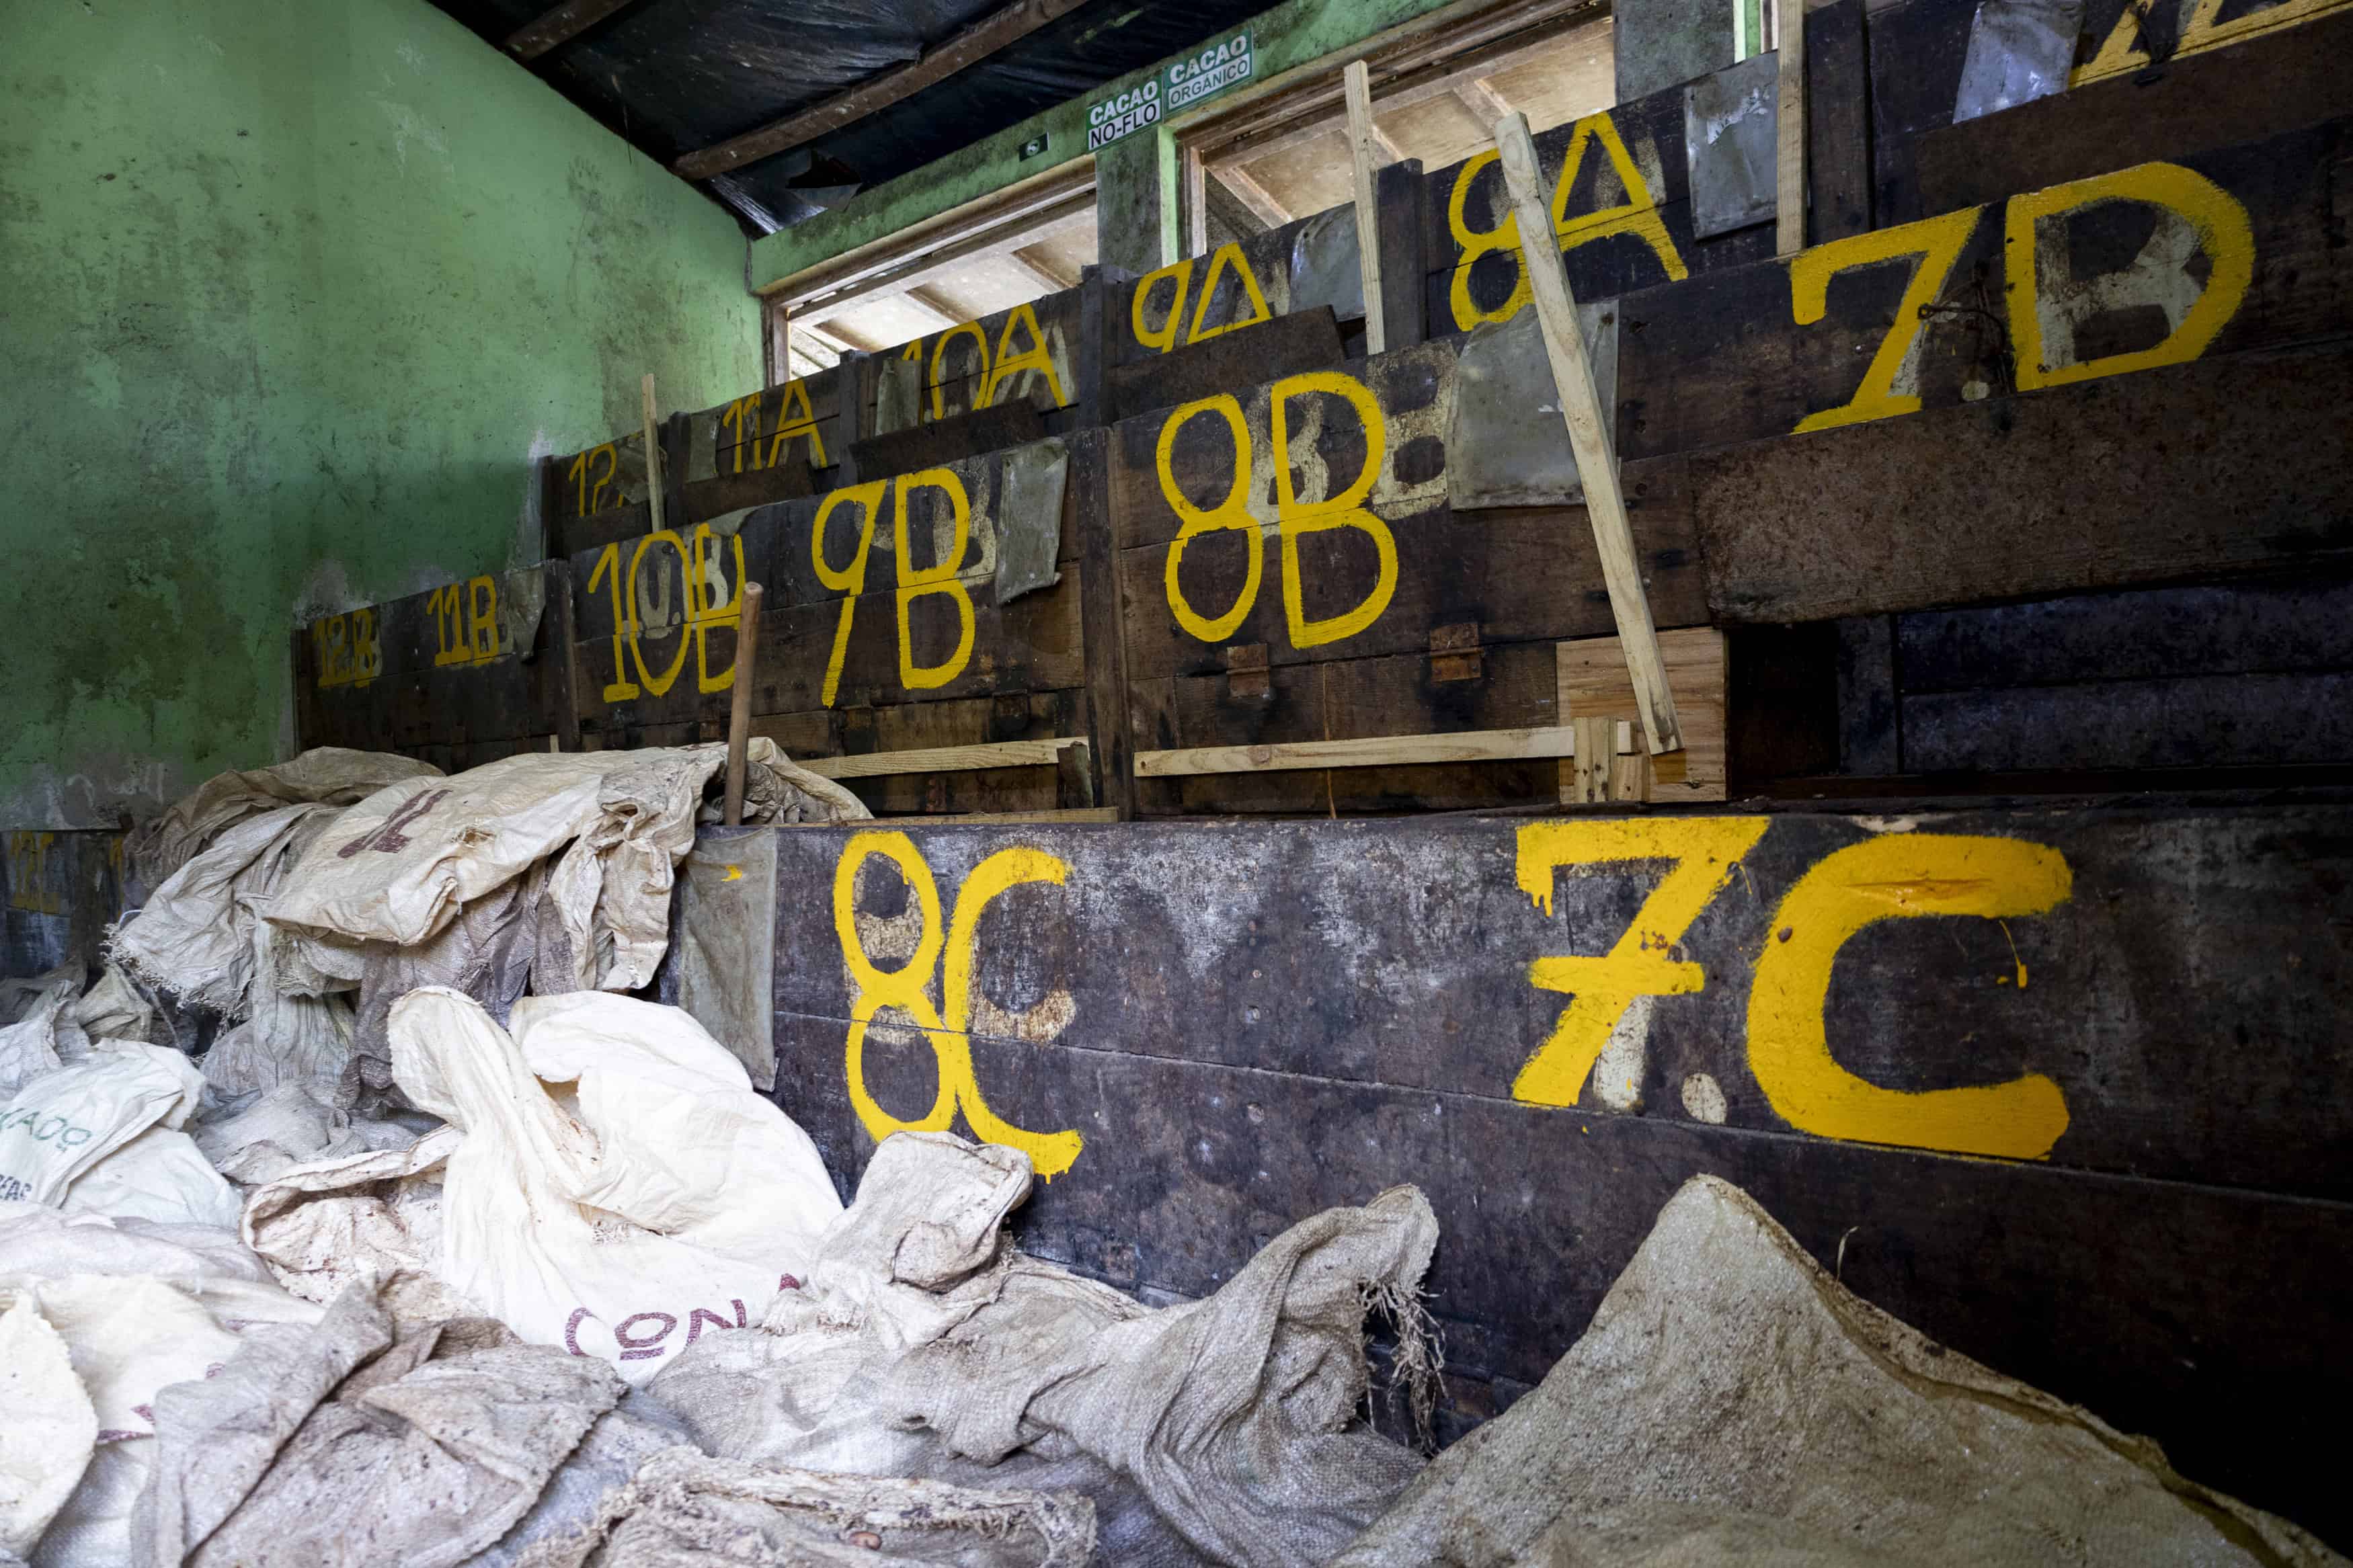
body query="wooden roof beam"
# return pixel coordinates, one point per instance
(561, 25)
(1006, 24)
(1251, 194)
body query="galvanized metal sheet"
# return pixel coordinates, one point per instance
(897, 399)
(726, 927)
(1324, 265)
(2019, 50)
(1506, 444)
(1029, 518)
(1729, 128)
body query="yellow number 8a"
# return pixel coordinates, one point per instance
(907, 990)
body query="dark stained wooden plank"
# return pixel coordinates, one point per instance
(1403, 694)
(2301, 622)
(1031, 645)
(60, 891)
(1244, 944)
(1401, 196)
(935, 441)
(1917, 50)
(1838, 123)
(1087, 505)
(2248, 720)
(2225, 465)
(1286, 345)
(1164, 312)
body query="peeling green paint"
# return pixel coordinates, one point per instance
(295, 289)
(1282, 39)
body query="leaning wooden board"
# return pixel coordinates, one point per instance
(2085, 1116)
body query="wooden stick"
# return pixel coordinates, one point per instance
(1364, 152)
(943, 759)
(739, 714)
(1589, 435)
(1371, 752)
(1789, 129)
(653, 456)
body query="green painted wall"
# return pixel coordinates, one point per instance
(1282, 39)
(294, 291)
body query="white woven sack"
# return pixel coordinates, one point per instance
(660, 1199)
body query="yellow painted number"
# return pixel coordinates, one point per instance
(592, 500)
(465, 622)
(937, 579)
(1893, 877)
(1891, 382)
(849, 581)
(1195, 520)
(1343, 509)
(906, 990)
(1701, 852)
(1638, 214)
(2044, 311)
(1296, 519)
(1011, 363)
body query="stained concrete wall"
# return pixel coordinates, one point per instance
(295, 291)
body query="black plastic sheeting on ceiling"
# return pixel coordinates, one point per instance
(672, 76)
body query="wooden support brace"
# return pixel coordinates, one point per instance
(991, 818)
(653, 455)
(1589, 435)
(1789, 129)
(1372, 751)
(944, 759)
(1364, 154)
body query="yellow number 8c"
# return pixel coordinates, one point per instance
(906, 990)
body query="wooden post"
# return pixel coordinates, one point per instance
(1590, 436)
(739, 714)
(1195, 172)
(1789, 129)
(653, 456)
(1367, 161)
(1400, 192)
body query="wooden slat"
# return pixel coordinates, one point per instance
(1593, 684)
(1378, 751)
(562, 23)
(1365, 158)
(943, 759)
(1590, 436)
(993, 32)
(1790, 130)
(989, 818)
(2257, 479)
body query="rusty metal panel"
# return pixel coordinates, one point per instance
(1729, 119)
(1505, 443)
